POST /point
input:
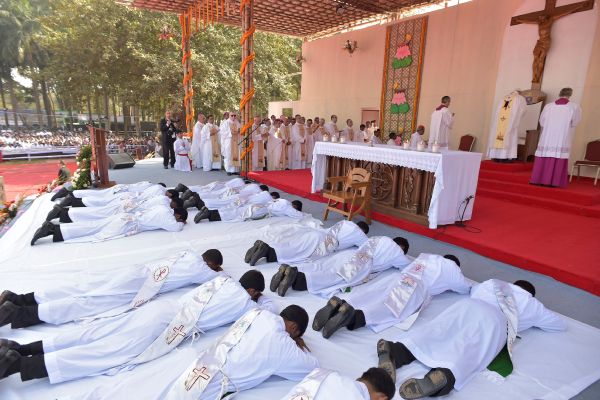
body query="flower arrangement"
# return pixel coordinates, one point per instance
(10, 208)
(82, 178)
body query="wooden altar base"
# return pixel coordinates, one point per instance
(521, 231)
(396, 191)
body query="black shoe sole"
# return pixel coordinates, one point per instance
(325, 313)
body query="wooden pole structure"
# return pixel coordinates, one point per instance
(185, 20)
(247, 79)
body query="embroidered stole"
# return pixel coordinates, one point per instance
(302, 145)
(404, 289)
(159, 272)
(259, 147)
(235, 147)
(329, 244)
(196, 378)
(503, 121)
(309, 387)
(361, 260)
(216, 146)
(183, 323)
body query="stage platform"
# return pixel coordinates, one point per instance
(546, 230)
(572, 364)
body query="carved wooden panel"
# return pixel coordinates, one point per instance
(396, 191)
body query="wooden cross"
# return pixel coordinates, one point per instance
(544, 19)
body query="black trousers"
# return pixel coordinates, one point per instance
(213, 215)
(168, 152)
(64, 216)
(401, 356)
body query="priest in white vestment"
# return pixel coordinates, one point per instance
(99, 201)
(441, 125)
(309, 128)
(349, 133)
(196, 149)
(210, 157)
(222, 132)
(258, 150)
(232, 196)
(324, 384)
(466, 337)
(298, 139)
(182, 152)
(293, 243)
(234, 365)
(558, 121)
(389, 300)
(361, 135)
(331, 128)
(158, 328)
(104, 193)
(275, 144)
(230, 146)
(344, 269)
(117, 226)
(129, 286)
(504, 133)
(417, 137)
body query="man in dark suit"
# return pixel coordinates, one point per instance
(169, 131)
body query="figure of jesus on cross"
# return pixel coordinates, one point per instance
(544, 19)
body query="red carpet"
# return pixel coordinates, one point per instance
(27, 178)
(550, 231)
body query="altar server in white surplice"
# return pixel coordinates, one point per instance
(210, 156)
(117, 226)
(247, 212)
(158, 328)
(275, 144)
(182, 153)
(293, 243)
(467, 336)
(344, 269)
(390, 300)
(324, 384)
(196, 149)
(504, 133)
(131, 287)
(441, 125)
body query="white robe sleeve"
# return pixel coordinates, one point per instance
(576, 119)
(295, 362)
(539, 316)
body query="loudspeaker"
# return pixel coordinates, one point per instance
(120, 160)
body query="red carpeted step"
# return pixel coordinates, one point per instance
(488, 165)
(538, 202)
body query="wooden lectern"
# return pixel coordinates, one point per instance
(99, 162)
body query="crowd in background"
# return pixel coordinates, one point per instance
(27, 139)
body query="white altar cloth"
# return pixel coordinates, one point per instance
(456, 173)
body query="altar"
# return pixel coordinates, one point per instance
(420, 186)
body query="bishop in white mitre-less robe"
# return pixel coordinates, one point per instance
(208, 161)
(158, 328)
(234, 361)
(504, 133)
(391, 299)
(558, 121)
(441, 125)
(182, 153)
(117, 291)
(196, 149)
(324, 384)
(293, 243)
(465, 338)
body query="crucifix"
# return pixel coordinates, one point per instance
(544, 19)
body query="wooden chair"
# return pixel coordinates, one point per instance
(591, 159)
(466, 143)
(354, 196)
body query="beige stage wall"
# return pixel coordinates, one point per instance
(472, 55)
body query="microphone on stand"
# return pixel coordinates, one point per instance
(466, 202)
